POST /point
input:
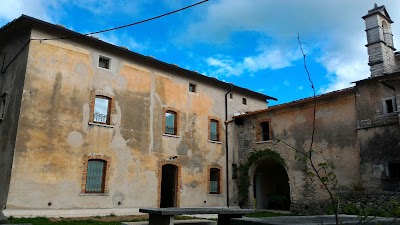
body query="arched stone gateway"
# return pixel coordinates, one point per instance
(264, 182)
(270, 188)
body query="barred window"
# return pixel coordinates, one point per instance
(170, 122)
(214, 132)
(214, 181)
(104, 62)
(102, 110)
(95, 177)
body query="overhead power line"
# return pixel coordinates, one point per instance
(124, 26)
(2, 71)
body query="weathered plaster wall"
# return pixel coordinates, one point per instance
(335, 140)
(378, 134)
(11, 84)
(55, 133)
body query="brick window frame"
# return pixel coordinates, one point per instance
(220, 186)
(177, 120)
(259, 134)
(111, 107)
(86, 159)
(159, 179)
(219, 128)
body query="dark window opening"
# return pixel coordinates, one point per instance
(102, 110)
(389, 106)
(192, 87)
(170, 122)
(214, 181)
(394, 170)
(231, 95)
(3, 106)
(265, 131)
(104, 62)
(214, 133)
(95, 177)
(244, 101)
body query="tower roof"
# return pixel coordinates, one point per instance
(378, 10)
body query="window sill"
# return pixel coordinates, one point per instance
(101, 125)
(215, 195)
(171, 135)
(263, 142)
(93, 194)
(215, 142)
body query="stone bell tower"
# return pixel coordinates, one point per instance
(380, 41)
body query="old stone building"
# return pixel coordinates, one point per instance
(89, 128)
(357, 129)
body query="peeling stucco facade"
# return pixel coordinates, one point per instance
(56, 136)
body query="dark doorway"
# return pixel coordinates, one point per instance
(271, 186)
(169, 184)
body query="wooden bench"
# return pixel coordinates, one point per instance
(165, 216)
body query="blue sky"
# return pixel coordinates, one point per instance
(251, 43)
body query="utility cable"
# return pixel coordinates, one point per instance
(96, 32)
(124, 26)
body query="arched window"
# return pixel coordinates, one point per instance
(215, 181)
(214, 130)
(170, 122)
(95, 176)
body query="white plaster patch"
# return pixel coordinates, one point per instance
(189, 153)
(75, 139)
(85, 116)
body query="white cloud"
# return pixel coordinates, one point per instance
(334, 27)
(11, 9)
(268, 58)
(286, 83)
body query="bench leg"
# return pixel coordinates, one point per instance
(161, 220)
(225, 219)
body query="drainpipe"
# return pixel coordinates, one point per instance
(227, 145)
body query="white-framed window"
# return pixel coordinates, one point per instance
(104, 62)
(389, 105)
(3, 106)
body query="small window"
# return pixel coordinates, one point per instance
(394, 170)
(95, 177)
(214, 131)
(104, 62)
(3, 99)
(192, 87)
(170, 122)
(265, 131)
(389, 105)
(244, 101)
(102, 110)
(215, 181)
(231, 95)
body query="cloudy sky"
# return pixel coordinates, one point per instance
(251, 43)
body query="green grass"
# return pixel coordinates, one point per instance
(268, 214)
(46, 221)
